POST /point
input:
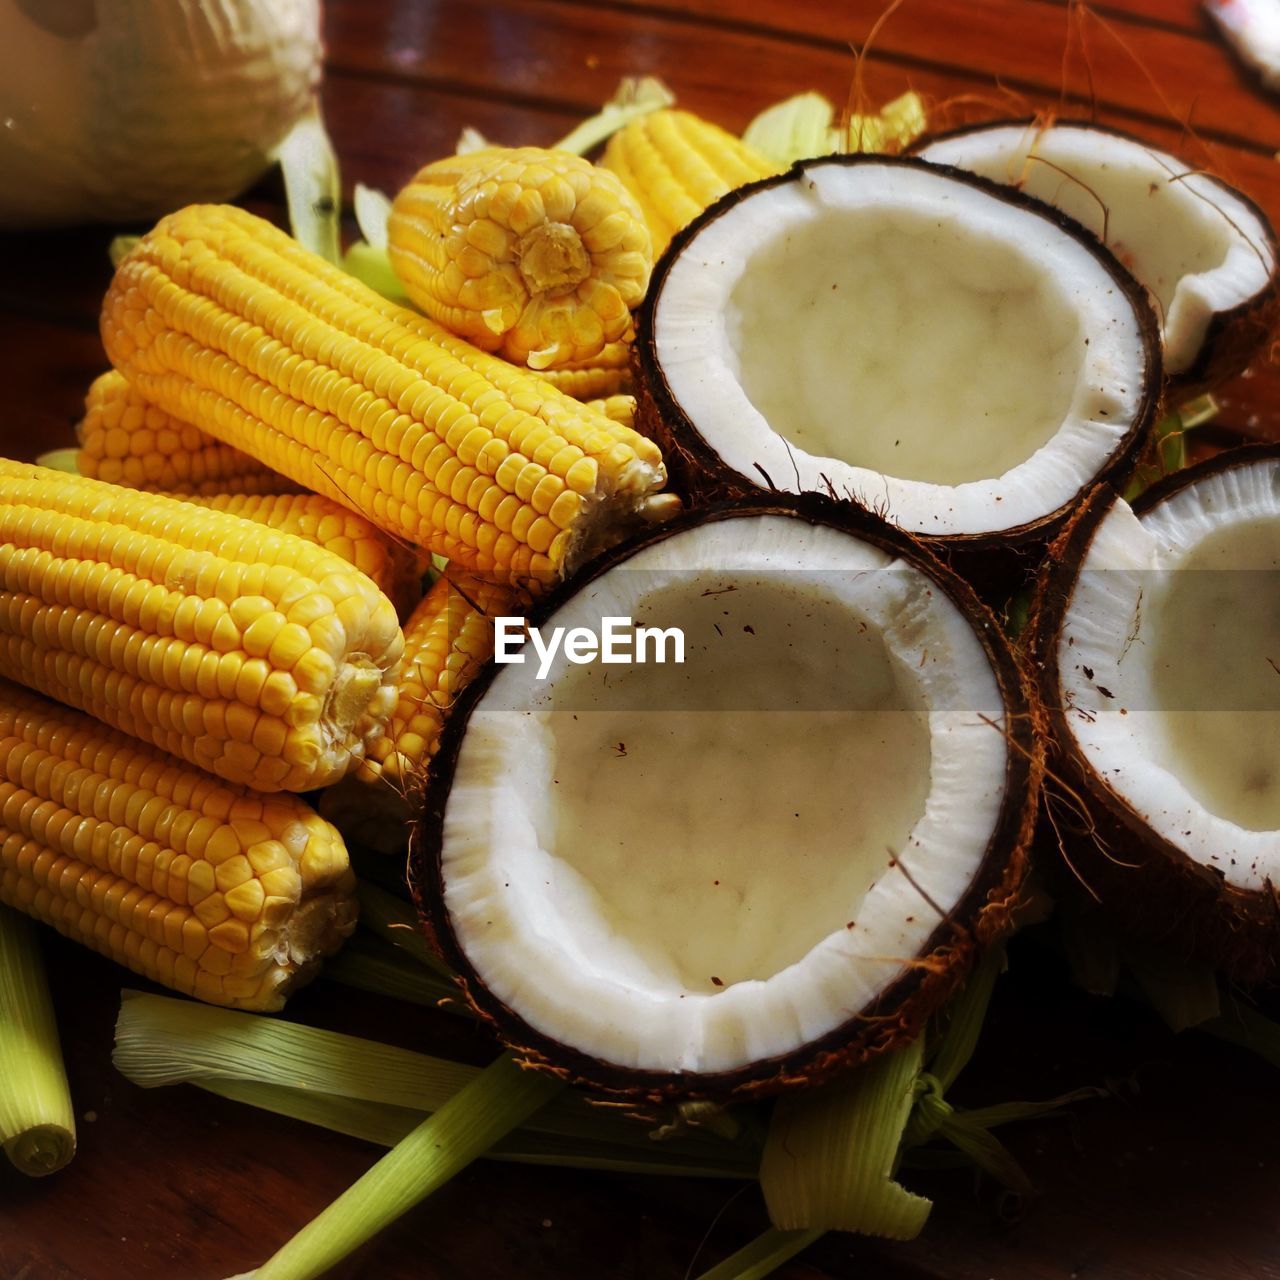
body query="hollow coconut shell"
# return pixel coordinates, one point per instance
(982, 916)
(1112, 861)
(997, 562)
(1234, 335)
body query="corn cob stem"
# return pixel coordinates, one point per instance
(227, 323)
(253, 654)
(210, 889)
(37, 1123)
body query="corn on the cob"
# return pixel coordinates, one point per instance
(211, 889)
(254, 654)
(538, 255)
(228, 323)
(676, 164)
(447, 639)
(608, 374)
(394, 568)
(125, 440)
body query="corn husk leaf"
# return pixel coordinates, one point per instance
(636, 96)
(372, 209)
(120, 247)
(1182, 992)
(372, 267)
(312, 186)
(37, 1123)
(396, 922)
(805, 126)
(369, 964)
(60, 460)
(831, 1153)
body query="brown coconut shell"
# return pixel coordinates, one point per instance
(1112, 860)
(997, 563)
(898, 1015)
(1234, 336)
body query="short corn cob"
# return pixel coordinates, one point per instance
(254, 654)
(228, 323)
(211, 889)
(125, 440)
(676, 164)
(447, 639)
(608, 374)
(538, 255)
(395, 569)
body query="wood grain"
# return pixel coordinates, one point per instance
(1174, 1176)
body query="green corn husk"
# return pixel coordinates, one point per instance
(831, 1153)
(312, 186)
(1183, 992)
(804, 126)
(635, 97)
(1170, 443)
(498, 1100)
(161, 1040)
(37, 1123)
(397, 923)
(60, 460)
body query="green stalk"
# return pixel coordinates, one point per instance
(37, 1124)
(763, 1255)
(397, 923)
(497, 1101)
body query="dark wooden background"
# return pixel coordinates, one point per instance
(1177, 1175)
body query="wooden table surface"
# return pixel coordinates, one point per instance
(1177, 1175)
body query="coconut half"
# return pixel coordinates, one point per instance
(737, 873)
(935, 347)
(1159, 643)
(1206, 253)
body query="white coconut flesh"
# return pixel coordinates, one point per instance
(1169, 658)
(1196, 246)
(958, 362)
(692, 868)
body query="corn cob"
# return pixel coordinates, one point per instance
(211, 889)
(448, 639)
(125, 440)
(395, 569)
(538, 255)
(228, 323)
(676, 164)
(608, 374)
(254, 654)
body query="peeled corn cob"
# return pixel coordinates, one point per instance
(395, 569)
(254, 654)
(447, 639)
(125, 440)
(536, 254)
(211, 889)
(228, 323)
(676, 164)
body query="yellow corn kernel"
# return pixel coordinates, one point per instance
(393, 567)
(138, 883)
(448, 638)
(536, 254)
(228, 323)
(127, 441)
(605, 376)
(104, 592)
(676, 164)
